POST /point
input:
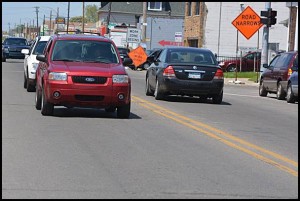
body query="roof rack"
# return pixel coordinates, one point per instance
(77, 31)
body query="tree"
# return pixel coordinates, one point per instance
(91, 13)
(78, 19)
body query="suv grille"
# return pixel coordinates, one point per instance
(89, 79)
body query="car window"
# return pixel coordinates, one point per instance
(190, 56)
(274, 61)
(295, 63)
(123, 50)
(39, 48)
(283, 61)
(84, 50)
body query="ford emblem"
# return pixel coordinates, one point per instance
(195, 67)
(90, 79)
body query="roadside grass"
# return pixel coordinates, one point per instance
(253, 76)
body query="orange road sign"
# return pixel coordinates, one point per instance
(248, 22)
(138, 56)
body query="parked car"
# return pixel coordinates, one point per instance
(185, 71)
(12, 46)
(274, 79)
(78, 70)
(229, 65)
(30, 62)
(292, 88)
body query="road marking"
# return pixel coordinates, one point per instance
(199, 126)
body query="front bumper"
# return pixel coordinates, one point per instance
(87, 95)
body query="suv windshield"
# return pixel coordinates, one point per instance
(39, 48)
(84, 51)
(15, 41)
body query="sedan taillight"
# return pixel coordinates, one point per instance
(289, 72)
(219, 74)
(169, 72)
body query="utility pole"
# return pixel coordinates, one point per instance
(50, 28)
(108, 18)
(265, 43)
(37, 19)
(9, 28)
(144, 22)
(83, 17)
(68, 17)
(44, 26)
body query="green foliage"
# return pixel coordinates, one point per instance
(251, 75)
(78, 19)
(91, 13)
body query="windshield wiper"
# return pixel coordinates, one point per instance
(105, 62)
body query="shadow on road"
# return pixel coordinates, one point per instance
(88, 113)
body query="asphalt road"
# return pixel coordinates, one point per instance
(244, 148)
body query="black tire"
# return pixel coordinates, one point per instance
(110, 109)
(290, 97)
(231, 68)
(262, 90)
(217, 99)
(3, 59)
(123, 112)
(157, 93)
(25, 81)
(46, 107)
(280, 92)
(30, 87)
(148, 90)
(38, 99)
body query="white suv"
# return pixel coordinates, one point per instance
(30, 62)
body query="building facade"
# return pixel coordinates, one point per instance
(209, 25)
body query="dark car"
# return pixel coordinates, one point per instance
(12, 46)
(82, 71)
(123, 51)
(248, 60)
(292, 88)
(274, 79)
(185, 71)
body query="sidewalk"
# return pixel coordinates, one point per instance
(239, 81)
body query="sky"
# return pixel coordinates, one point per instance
(24, 12)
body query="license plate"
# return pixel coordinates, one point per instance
(195, 75)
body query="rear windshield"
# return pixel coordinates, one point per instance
(196, 56)
(15, 41)
(85, 51)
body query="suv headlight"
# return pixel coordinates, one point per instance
(57, 76)
(120, 78)
(6, 50)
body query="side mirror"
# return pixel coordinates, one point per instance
(127, 61)
(25, 51)
(265, 65)
(294, 68)
(41, 57)
(150, 59)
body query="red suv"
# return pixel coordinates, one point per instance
(82, 71)
(275, 77)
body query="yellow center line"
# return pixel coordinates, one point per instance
(179, 118)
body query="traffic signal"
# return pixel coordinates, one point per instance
(270, 17)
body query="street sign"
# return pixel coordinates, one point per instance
(138, 56)
(171, 43)
(178, 36)
(133, 35)
(248, 22)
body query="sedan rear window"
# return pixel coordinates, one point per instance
(190, 56)
(84, 51)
